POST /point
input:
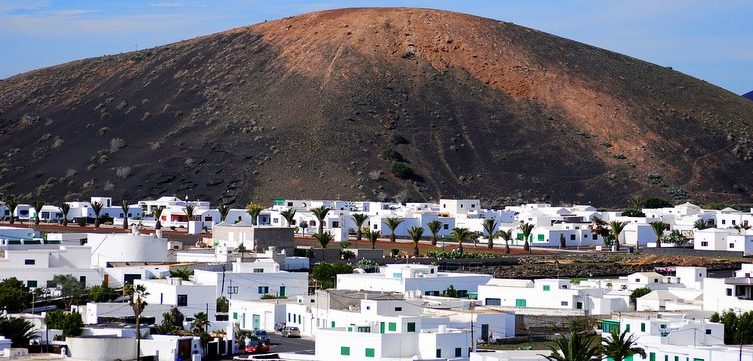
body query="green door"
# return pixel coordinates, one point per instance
(629, 358)
(282, 291)
(381, 327)
(256, 322)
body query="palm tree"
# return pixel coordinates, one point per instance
(599, 227)
(434, 227)
(527, 228)
(11, 203)
(372, 236)
(659, 228)
(200, 322)
(415, 234)
(703, 224)
(636, 202)
(392, 223)
(289, 215)
(254, 209)
(619, 347)
(506, 236)
(137, 302)
(64, 208)
(189, 210)
(303, 226)
(460, 235)
(742, 228)
(157, 213)
(616, 228)
(320, 213)
(324, 239)
(37, 211)
(489, 225)
(360, 219)
(124, 206)
(97, 209)
(224, 210)
(575, 347)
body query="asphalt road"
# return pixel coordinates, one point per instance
(281, 344)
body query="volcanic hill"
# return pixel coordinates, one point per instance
(326, 104)
(748, 95)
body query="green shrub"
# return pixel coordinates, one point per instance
(401, 170)
(653, 203)
(633, 213)
(391, 154)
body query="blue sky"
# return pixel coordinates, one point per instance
(711, 40)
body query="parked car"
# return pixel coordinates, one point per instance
(256, 346)
(291, 331)
(262, 335)
(279, 326)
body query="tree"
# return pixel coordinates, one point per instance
(574, 347)
(97, 209)
(742, 228)
(506, 236)
(653, 203)
(638, 293)
(254, 209)
(526, 228)
(633, 213)
(659, 227)
(489, 225)
(200, 322)
(224, 210)
(101, 294)
(320, 213)
(636, 202)
(137, 302)
(172, 322)
(223, 305)
(124, 207)
(460, 235)
(434, 227)
(415, 234)
(182, 273)
(450, 292)
(621, 346)
(64, 209)
(18, 330)
(156, 214)
(71, 289)
(70, 323)
(14, 295)
(11, 203)
(360, 219)
(599, 227)
(738, 328)
(701, 224)
(392, 223)
(189, 211)
(289, 215)
(325, 273)
(563, 242)
(37, 211)
(372, 236)
(303, 226)
(324, 239)
(676, 238)
(615, 229)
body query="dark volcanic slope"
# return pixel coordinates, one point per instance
(304, 106)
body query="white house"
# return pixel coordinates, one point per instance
(712, 239)
(37, 265)
(189, 297)
(412, 277)
(126, 247)
(253, 281)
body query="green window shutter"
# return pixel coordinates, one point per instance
(541, 237)
(546, 288)
(520, 302)
(344, 351)
(369, 352)
(411, 327)
(666, 357)
(333, 324)
(627, 327)
(381, 327)
(235, 315)
(643, 327)
(651, 356)
(519, 236)
(392, 326)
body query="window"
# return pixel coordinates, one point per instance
(412, 327)
(446, 226)
(643, 327)
(724, 221)
(288, 316)
(290, 204)
(263, 290)
(344, 351)
(183, 300)
(275, 220)
(656, 280)
(733, 221)
(540, 237)
(365, 329)
(729, 292)
(398, 309)
(335, 224)
(666, 357)
(546, 287)
(30, 261)
(458, 351)
(369, 352)
(637, 280)
(594, 236)
(627, 327)
(368, 307)
(572, 237)
(258, 270)
(439, 353)
(651, 356)
(519, 236)
(520, 302)
(704, 244)
(563, 303)
(662, 326)
(397, 275)
(208, 218)
(392, 326)
(708, 331)
(333, 324)
(731, 245)
(235, 315)
(31, 283)
(473, 206)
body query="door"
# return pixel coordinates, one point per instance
(282, 291)
(485, 332)
(381, 327)
(256, 322)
